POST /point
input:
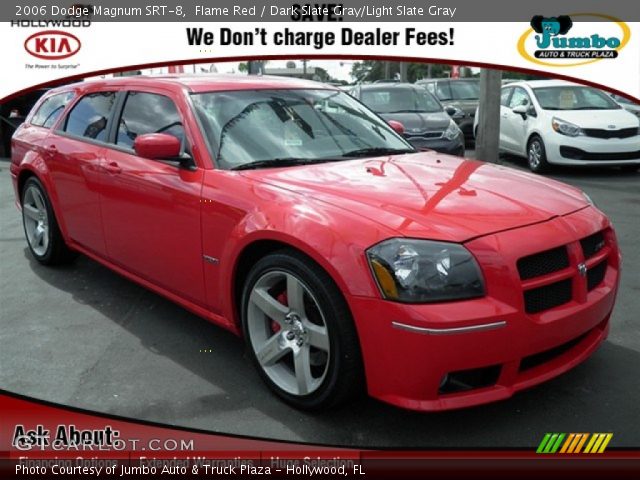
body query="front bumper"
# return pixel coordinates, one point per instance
(442, 145)
(582, 150)
(410, 350)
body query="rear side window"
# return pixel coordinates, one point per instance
(51, 109)
(89, 117)
(148, 113)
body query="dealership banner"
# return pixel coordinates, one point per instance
(597, 43)
(422, 274)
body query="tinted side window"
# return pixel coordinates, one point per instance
(148, 113)
(51, 109)
(89, 117)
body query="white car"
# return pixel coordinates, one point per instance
(556, 122)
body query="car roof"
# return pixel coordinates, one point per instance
(541, 83)
(387, 86)
(204, 82)
(448, 79)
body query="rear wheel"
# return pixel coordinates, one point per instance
(300, 333)
(537, 156)
(40, 226)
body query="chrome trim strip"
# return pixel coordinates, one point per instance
(210, 259)
(449, 331)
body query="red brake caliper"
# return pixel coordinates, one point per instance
(282, 298)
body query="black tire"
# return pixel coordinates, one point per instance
(57, 251)
(537, 164)
(344, 378)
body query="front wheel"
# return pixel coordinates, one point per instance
(537, 156)
(300, 333)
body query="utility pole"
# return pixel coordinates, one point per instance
(488, 135)
(255, 67)
(403, 71)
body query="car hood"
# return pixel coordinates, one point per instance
(606, 119)
(419, 122)
(430, 195)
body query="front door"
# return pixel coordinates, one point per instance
(151, 208)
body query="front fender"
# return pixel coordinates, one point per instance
(334, 238)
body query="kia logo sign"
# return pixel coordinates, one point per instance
(52, 45)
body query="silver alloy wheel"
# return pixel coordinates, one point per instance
(535, 154)
(36, 220)
(290, 339)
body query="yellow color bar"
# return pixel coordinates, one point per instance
(607, 439)
(594, 443)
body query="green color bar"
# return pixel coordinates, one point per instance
(555, 448)
(544, 441)
(550, 443)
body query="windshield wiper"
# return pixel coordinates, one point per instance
(367, 152)
(274, 162)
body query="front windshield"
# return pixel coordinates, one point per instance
(463, 90)
(624, 100)
(260, 126)
(400, 100)
(574, 98)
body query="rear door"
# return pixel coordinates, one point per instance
(151, 208)
(75, 153)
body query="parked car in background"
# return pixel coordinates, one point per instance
(13, 113)
(627, 104)
(425, 124)
(292, 215)
(553, 122)
(460, 97)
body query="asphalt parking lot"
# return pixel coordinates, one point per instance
(84, 336)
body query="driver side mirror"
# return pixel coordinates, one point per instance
(157, 146)
(521, 110)
(396, 126)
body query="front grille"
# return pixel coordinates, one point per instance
(549, 291)
(543, 263)
(601, 133)
(595, 275)
(578, 154)
(425, 135)
(592, 244)
(548, 296)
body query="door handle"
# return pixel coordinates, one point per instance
(113, 167)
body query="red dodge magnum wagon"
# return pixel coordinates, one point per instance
(290, 214)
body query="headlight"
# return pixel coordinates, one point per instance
(422, 271)
(452, 131)
(565, 128)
